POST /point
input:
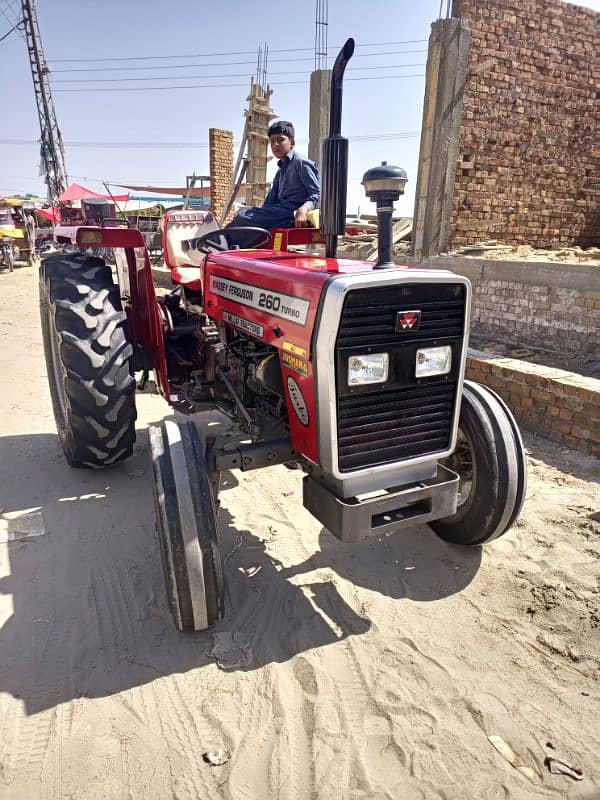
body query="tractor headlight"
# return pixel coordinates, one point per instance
(372, 368)
(433, 361)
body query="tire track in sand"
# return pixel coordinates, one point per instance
(40, 716)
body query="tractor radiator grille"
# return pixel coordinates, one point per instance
(369, 317)
(378, 428)
(403, 418)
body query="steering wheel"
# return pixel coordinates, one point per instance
(207, 244)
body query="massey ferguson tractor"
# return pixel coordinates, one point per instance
(354, 371)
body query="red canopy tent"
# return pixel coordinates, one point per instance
(53, 214)
(77, 192)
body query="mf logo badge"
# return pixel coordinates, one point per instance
(407, 321)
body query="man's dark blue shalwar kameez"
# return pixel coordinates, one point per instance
(296, 184)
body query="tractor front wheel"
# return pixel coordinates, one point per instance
(186, 522)
(88, 360)
(490, 461)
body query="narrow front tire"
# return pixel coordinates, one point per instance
(490, 461)
(186, 522)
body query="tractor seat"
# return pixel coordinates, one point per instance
(188, 277)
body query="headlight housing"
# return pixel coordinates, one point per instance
(433, 361)
(368, 368)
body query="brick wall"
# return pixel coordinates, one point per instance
(221, 167)
(528, 169)
(561, 405)
(556, 317)
(551, 305)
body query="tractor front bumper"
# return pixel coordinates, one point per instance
(352, 519)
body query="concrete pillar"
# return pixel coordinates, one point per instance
(320, 82)
(449, 45)
(258, 117)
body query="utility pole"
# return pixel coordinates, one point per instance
(52, 149)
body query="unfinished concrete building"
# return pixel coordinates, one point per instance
(510, 152)
(510, 146)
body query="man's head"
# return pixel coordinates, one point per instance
(281, 138)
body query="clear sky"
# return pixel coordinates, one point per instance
(204, 46)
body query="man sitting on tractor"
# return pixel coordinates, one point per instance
(294, 193)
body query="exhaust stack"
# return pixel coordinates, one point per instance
(334, 160)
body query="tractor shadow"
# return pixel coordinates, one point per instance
(276, 611)
(411, 564)
(268, 617)
(83, 610)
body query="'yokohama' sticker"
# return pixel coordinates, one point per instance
(245, 324)
(298, 402)
(295, 363)
(277, 304)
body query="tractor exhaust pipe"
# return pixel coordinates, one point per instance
(334, 160)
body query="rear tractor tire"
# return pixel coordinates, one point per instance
(88, 359)
(492, 467)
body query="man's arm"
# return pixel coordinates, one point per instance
(309, 177)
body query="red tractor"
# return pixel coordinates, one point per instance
(352, 370)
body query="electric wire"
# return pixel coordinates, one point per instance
(224, 53)
(203, 145)
(10, 21)
(227, 63)
(210, 77)
(5, 15)
(225, 85)
(8, 33)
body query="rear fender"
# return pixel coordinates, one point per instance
(144, 321)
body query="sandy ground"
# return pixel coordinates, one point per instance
(370, 671)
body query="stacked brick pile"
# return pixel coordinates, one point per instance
(528, 169)
(221, 167)
(563, 406)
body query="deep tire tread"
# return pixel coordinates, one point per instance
(78, 294)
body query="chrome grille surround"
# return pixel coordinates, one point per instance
(384, 475)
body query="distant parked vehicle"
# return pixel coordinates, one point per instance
(150, 228)
(7, 252)
(14, 231)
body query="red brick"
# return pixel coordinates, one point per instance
(562, 426)
(581, 433)
(565, 413)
